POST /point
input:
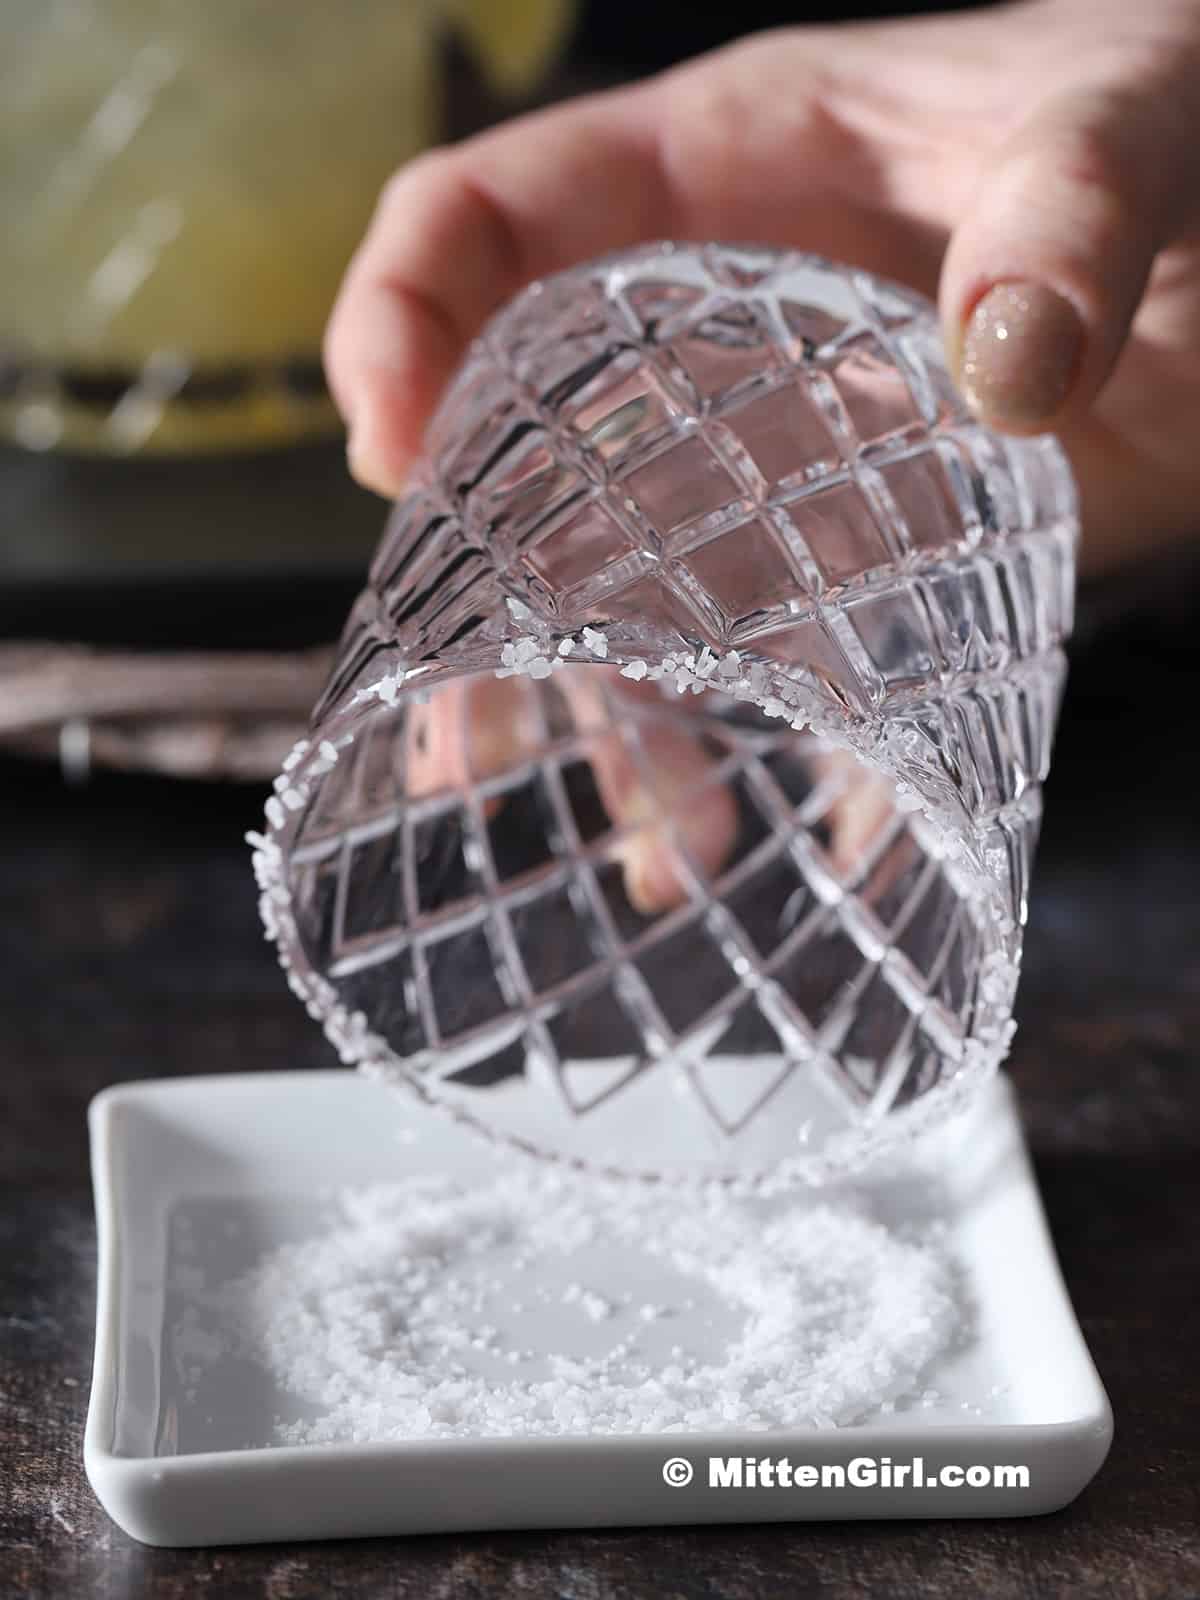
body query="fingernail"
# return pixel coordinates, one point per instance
(1021, 351)
(364, 457)
(651, 883)
(370, 453)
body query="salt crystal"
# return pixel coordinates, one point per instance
(378, 1324)
(596, 1306)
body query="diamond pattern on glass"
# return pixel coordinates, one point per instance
(733, 1098)
(879, 1030)
(660, 599)
(658, 307)
(771, 902)
(523, 831)
(822, 977)
(387, 992)
(374, 899)
(556, 935)
(895, 636)
(594, 1030)
(441, 872)
(622, 413)
(527, 486)
(579, 546)
(783, 435)
(745, 571)
(873, 391)
(807, 646)
(698, 485)
(467, 980)
(687, 973)
(725, 459)
(924, 498)
(725, 351)
(966, 605)
(316, 893)
(840, 531)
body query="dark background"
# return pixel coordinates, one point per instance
(648, 37)
(130, 946)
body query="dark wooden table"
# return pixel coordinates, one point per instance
(130, 946)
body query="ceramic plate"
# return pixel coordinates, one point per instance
(231, 1165)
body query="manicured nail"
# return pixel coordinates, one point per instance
(651, 883)
(1021, 351)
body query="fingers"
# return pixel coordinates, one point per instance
(478, 728)
(861, 812)
(455, 234)
(743, 144)
(658, 787)
(1045, 274)
(669, 791)
(469, 730)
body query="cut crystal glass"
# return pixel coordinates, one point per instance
(671, 807)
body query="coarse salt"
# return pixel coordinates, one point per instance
(376, 1326)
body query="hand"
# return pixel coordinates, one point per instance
(657, 781)
(1036, 165)
(1041, 161)
(474, 729)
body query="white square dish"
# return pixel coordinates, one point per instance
(242, 1158)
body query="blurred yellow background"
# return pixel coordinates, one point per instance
(182, 185)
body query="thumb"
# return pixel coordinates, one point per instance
(1044, 275)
